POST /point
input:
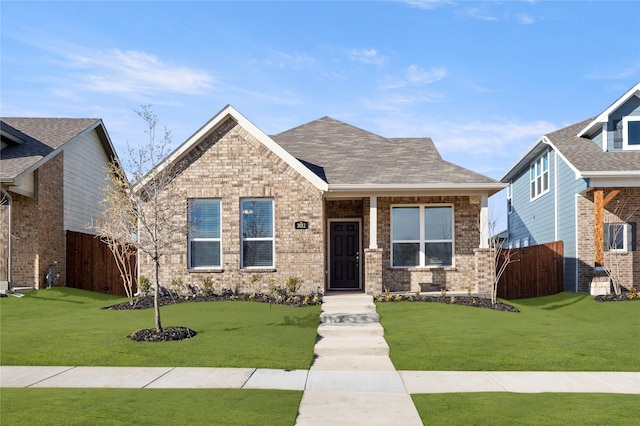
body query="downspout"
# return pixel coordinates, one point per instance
(10, 204)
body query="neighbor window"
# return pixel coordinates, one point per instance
(539, 176)
(510, 198)
(257, 233)
(631, 132)
(615, 236)
(422, 236)
(205, 248)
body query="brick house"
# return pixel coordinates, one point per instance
(51, 170)
(581, 185)
(336, 206)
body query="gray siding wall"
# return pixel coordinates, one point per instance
(631, 107)
(533, 219)
(85, 174)
(568, 186)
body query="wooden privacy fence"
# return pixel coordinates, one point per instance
(91, 266)
(535, 271)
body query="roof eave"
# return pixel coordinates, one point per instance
(416, 189)
(525, 159)
(603, 117)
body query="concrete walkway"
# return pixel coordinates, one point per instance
(351, 381)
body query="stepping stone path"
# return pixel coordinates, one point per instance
(352, 380)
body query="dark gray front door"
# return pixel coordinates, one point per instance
(344, 256)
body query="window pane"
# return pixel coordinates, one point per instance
(257, 253)
(614, 236)
(205, 253)
(438, 254)
(204, 219)
(437, 223)
(545, 181)
(406, 254)
(257, 219)
(406, 223)
(545, 162)
(633, 132)
(533, 189)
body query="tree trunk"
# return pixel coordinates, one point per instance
(156, 295)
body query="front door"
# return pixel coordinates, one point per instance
(344, 255)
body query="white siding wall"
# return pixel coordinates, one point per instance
(85, 164)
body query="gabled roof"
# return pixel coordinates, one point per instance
(345, 157)
(39, 139)
(586, 158)
(229, 112)
(335, 156)
(597, 122)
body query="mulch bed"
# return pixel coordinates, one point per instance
(167, 334)
(614, 298)
(478, 302)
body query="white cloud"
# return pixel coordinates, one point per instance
(525, 19)
(286, 60)
(419, 76)
(428, 4)
(367, 56)
(134, 72)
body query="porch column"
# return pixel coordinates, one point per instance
(373, 222)
(484, 222)
(599, 203)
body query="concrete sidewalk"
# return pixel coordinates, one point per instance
(339, 380)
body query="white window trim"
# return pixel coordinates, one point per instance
(625, 133)
(625, 238)
(539, 190)
(190, 239)
(510, 198)
(272, 238)
(422, 240)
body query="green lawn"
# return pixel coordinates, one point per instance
(148, 407)
(527, 409)
(564, 332)
(65, 326)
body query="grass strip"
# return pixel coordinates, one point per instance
(148, 406)
(527, 409)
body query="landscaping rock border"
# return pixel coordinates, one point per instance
(166, 335)
(478, 302)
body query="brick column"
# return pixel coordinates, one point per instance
(483, 270)
(373, 271)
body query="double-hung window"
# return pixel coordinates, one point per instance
(422, 236)
(204, 247)
(257, 229)
(539, 176)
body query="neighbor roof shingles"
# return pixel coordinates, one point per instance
(587, 156)
(342, 154)
(41, 136)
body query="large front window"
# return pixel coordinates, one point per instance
(204, 234)
(422, 236)
(257, 233)
(539, 176)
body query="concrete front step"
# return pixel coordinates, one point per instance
(344, 307)
(350, 330)
(347, 298)
(349, 318)
(353, 363)
(351, 346)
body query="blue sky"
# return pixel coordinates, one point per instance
(484, 79)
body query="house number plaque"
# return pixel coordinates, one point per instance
(301, 224)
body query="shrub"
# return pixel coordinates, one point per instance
(144, 285)
(207, 286)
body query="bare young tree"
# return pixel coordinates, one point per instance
(499, 258)
(141, 212)
(616, 235)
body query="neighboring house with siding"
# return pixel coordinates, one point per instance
(581, 185)
(52, 172)
(336, 206)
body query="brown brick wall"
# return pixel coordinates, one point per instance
(623, 208)
(235, 166)
(37, 228)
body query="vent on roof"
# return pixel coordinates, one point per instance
(617, 134)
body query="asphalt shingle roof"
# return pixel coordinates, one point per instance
(346, 155)
(585, 155)
(40, 137)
